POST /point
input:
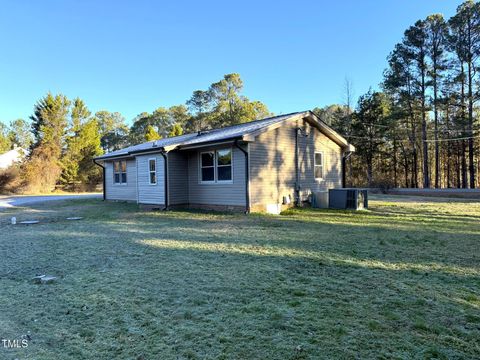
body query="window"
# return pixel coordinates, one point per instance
(152, 167)
(224, 165)
(216, 166)
(120, 172)
(207, 166)
(318, 165)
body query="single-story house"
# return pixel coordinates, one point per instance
(262, 165)
(11, 157)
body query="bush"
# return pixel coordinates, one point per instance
(383, 182)
(9, 179)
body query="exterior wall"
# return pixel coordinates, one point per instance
(150, 194)
(332, 166)
(217, 194)
(272, 164)
(126, 192)
(177, 178)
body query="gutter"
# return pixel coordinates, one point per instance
(103, 178)
(165, 162)
(247, 178)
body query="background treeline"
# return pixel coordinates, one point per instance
(421, 130)
(63, 136)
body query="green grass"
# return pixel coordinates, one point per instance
(401, 280)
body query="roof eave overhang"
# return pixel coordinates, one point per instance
(130, 154)
(314, 120)
(209, 143)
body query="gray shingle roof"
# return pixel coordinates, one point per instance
(214, 135)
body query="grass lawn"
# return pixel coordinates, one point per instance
(399, 281)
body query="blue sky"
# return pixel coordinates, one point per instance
(134, 56)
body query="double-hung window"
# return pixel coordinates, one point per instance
(216, 166)
(207, 160)
(224, 165)
(120, 172)
(318, 165)
(152, 168)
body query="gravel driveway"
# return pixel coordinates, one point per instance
(11, 201)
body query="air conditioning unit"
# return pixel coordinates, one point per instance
(319, 199)
(352, 199)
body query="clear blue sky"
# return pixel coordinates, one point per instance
(134, 56)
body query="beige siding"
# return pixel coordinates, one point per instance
(147, 193)
(128, 191)
(272, 164)
(332, 167)
(217, 194)
(177, 178)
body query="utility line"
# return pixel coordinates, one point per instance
(408, 140)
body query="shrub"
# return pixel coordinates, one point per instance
(383, 182)
(9, 179)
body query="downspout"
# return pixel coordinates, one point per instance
(247, 178)
(165, 162)
(297, 185)
(298, 132)
(103, 178)
(345, 157)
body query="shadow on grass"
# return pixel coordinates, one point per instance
(188, 284)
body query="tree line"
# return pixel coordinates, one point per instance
(421, 129)
(63, 136)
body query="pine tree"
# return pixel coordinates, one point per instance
(49, 122)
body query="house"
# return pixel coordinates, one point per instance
(12, 157)
(263, 165)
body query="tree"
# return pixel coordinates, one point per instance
(465, 28)
(113, 130)
(179, 115)
(90, 140)
(399, 84)
(176, 130)
(75, 143)
(138, 129)
(223, 105)
(5, 142)
(416, 43)
(436, 29)
(336, 116)
(20, 134)
(369, 123)
(151, 134)
(161, 120)
(49, 122)
(226, 95)
(83, 144)
(200, 103)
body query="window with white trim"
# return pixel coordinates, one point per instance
(318, 165)
(207, 166)
(216, 166)
(120, 172)
(224, 165)
(152, 169)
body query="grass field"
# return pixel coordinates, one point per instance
(399, 281)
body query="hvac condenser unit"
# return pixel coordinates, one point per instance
(353, 199)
